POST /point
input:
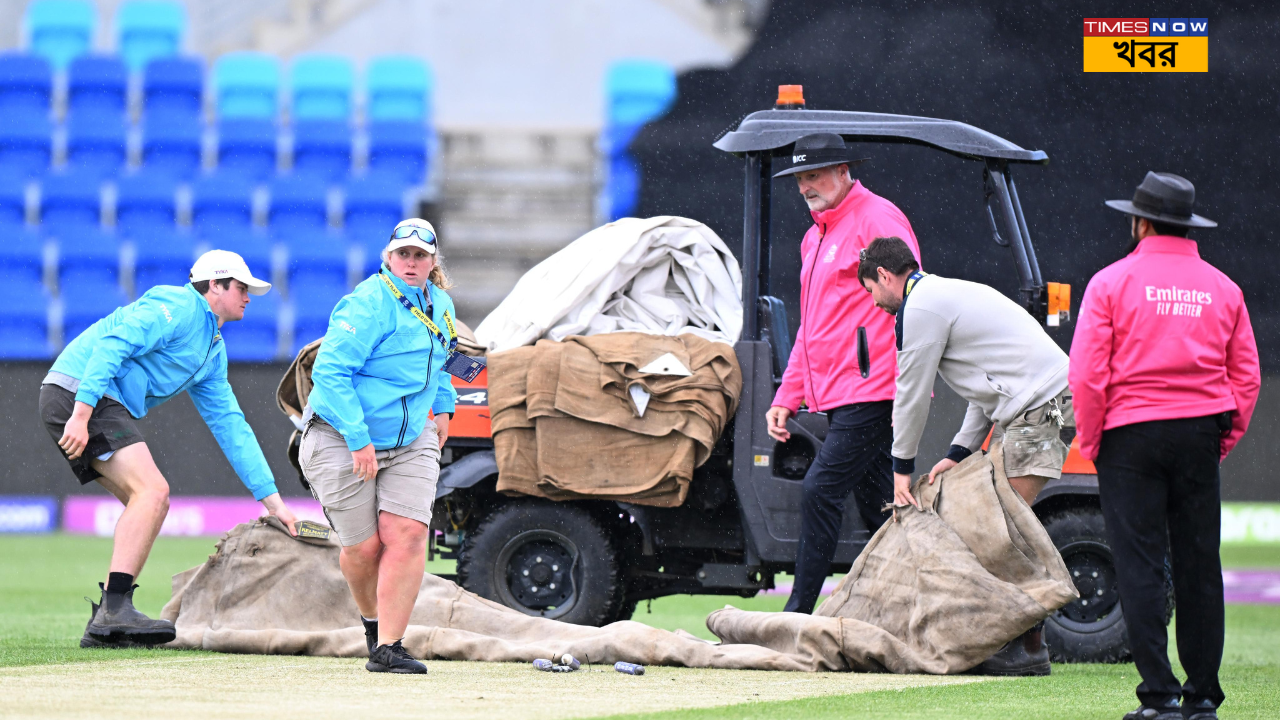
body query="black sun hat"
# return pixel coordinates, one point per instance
(818, 151)
(1165, 198)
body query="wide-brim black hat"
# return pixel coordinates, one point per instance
(1165, 198)
(818, 151)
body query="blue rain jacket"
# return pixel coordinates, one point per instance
(164, 343)
(380, 369)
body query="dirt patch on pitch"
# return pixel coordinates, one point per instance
(254, 687)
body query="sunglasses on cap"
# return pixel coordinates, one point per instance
(406, 231)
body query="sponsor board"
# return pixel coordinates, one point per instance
(97, 515)
(1250, 522)
(28, 514)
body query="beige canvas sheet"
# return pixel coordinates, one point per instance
(936, 591)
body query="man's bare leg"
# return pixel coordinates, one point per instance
(1028, 486)
(359, 565)
(400, 573)
(132, 476)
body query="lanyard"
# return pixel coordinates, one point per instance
(449, 344)
(911, 283)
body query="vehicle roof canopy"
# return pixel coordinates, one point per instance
(776, 129)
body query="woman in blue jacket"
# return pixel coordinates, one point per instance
(369, 451)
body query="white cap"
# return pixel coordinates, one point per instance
(220, 264)
(413, 240)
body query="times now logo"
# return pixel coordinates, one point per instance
(1145, 27)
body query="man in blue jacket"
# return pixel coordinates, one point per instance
(139, 356)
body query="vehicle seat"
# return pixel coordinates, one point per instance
(774, 330)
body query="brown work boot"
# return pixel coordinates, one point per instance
(1026, 655)
(117, 623)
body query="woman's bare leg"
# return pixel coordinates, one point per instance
(359, 565)
(400, 573)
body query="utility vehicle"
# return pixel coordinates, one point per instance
(591, 562)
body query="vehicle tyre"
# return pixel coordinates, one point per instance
(1091, 629)
(544, 559)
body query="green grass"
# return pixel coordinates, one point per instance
(42, 615)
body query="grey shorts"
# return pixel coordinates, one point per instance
(1033, 441)
(405, 484)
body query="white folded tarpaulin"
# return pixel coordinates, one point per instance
(661, 275)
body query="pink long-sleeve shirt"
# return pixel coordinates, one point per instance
(823, 369)
(1162, 335)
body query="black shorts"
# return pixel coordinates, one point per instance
(111, 427)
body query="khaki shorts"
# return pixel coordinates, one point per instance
(405, 484)
(1033, 441)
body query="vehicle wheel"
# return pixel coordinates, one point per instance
(1090, 629)
(545, 559)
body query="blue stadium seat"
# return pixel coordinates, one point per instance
(398, 148)
(24, 325)
(161, 258)
(70, 199)
(321, 86)
(147, 29)
(221, 203)
(245, 85)
(13, 199)
(636, 92)
(247, 147)
(21, 254)
(86, 255)
(173, 90)
(26, 144)
(255, 247)
(255, 338)
(171, 148)
(398, 88)
(97, 144)
(299, 206)
(322, 149)
(317, 259)
(85, 303)
(60, 30)
(97, 85)
(371, 208)
(145, 201)
(312, 305)
(26, 85)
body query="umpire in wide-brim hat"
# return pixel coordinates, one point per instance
(818, 151)
(1166, 199)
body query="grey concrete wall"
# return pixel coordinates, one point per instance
(190, 459)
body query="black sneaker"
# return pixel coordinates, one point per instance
(116, 622)
(370, 633)
(1024, 656)
(394, 658)
(1150, 713)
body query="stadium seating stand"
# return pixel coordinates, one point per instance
(97, 144)
(321, 87)
(173, 89)
(26, 85)
(70, 199)
(24, 325)
(220, 203)
(247, 147)
(398, 89)
(246, 85)
(97, 85)
(322, 149)
(145, 201)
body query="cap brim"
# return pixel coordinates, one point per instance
(816, 166)
(411, 241)
(1127, 207)
(256, 286)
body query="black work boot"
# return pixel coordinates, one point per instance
(1146, 712)
(1200, 710)
(1023, 656)
(370, 633)
(394, 658)
(116, 622)
(87, 640)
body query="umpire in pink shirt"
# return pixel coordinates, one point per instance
(1164, 369)
(823, 370)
